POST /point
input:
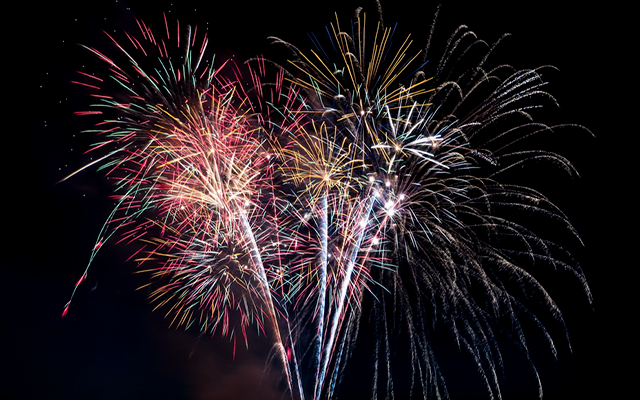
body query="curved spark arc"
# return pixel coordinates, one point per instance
(195, 165)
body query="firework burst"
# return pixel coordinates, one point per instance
(344, 185)
(192, 172)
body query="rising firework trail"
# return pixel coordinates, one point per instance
(361, 182)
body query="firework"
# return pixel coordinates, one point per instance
(352, 182)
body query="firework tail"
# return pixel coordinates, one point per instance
(322, 291)
(266, 293)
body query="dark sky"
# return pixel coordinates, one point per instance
(111, 346)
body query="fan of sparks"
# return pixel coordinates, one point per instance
(354, 180)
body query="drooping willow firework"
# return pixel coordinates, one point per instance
(355, 184)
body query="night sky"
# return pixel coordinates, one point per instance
(111, 346)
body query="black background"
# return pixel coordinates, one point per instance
(111, 346)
